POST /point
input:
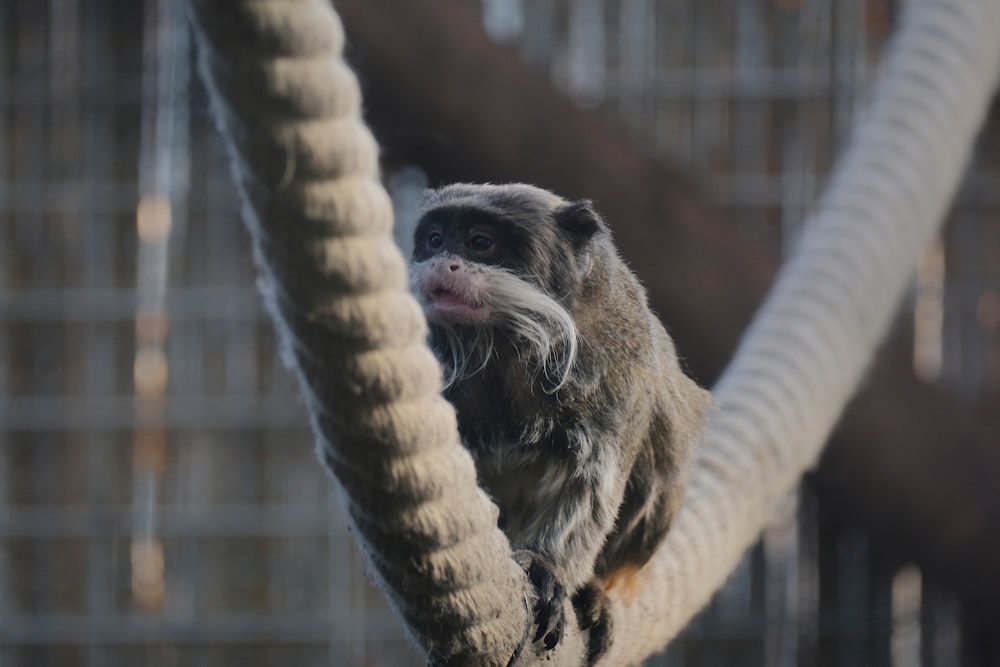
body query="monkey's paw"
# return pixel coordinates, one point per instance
(550, 615)
(593, 613)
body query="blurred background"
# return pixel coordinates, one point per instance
(160, 502)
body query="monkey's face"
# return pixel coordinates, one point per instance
(476, 245)
(456, 260)
(510, 258)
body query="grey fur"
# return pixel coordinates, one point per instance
(581, 432)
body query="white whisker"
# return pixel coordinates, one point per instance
(544, 332)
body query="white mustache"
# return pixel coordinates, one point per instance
(546, 331)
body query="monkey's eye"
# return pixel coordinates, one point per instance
(480, 243)
(435, 240)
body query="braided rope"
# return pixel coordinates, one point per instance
(335, 284)
(812, 340)
(307, 169)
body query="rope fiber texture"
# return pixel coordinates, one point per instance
(306, 166)
(336, 287)
(812, 340)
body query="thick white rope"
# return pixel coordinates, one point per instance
(814, 337)
(289, 108)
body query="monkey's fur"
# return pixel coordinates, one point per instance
(568, 390)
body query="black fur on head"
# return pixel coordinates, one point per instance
(545, 238)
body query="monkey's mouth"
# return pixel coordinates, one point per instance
(445, 304)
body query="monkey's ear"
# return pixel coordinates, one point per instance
(579, 219)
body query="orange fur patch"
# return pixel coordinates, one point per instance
(624, 582)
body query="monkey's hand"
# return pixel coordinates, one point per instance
(550, 615)
(593, 613)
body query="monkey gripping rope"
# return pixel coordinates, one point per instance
(307, 168)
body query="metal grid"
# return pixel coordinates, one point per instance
(159, 498)
(160, 502)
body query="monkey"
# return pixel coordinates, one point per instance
(567, 389)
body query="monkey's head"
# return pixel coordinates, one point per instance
(508, 259)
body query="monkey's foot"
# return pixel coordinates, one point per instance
(593, 613)
(550, 615)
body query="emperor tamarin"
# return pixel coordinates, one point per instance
(568, 390)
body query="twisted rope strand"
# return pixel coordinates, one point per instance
(335, 284)
(812, 340)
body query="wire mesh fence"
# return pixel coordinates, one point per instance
(160, 502)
